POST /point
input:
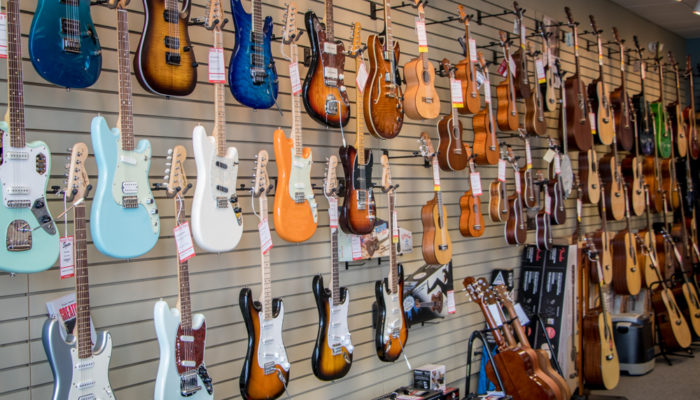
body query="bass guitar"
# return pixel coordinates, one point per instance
(358, 214)
(381, 99)
(658, 110)
(506, 111)
(689, 115)
(603, 241)
(420, 99)
(452, 151)
(486, 149)
(625, 132)
(324, 93)
(437, 245)
(124, 221)
(522, 81)
(332, 356)
(252, 75)
(686, 294)
(75, 361)
(627, 276)
(295, 210)
(535, 124)
(465, 70)
(577, 112)
(604, 129)
(63, 43)
(217, 223)
(515, 229)
(265, 372)
(645, 121)
(181, 334)
(390, 326)
(612, 181)
(27, 231)
(471, 222)
(498, 197)
(675, 114)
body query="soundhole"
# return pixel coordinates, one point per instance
(19, 236)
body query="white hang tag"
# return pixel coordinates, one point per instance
(591, 118)
(456, 93)
(265, 236)
(522, 316)
(475, 180)
(333, 212)
(294, 77)
(517, 182)
(512, 66)
(495, 314)
(579, 206)
(422, 36)
(547, 203)
(217, 69)
(487, 91)
(451, 306)
(600, 58)
(548, 156)
(361, 78)
(528, 155)
(473, 56)
(523, 37)
(436, 177)
(557, 164)
(502, 170)
(395, 232)
(183, 242)
(67, 259)
(502, 69)
(480, 78)
(516, 26)
(569, 39)
(356, 245)
(3, 35)
(539, 68)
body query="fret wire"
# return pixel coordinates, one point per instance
(330, 33)
(16, 90)
(124, 73)
(81, 283)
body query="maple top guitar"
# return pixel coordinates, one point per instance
(217, 223)
(577, 112)
(612, 181)
(625, 131)
(689, 115)
(632, 167)
(332, 355)
(471, 222)
(627, 276)
(381, 99)
(358, 214)
(465, 69)
(506, 111)
(63, 43)
(324, 93)
(27, 231)
(598, 93)
(485, 148)
(647, 262)
(522, 76)
(543, 223)
(75, 360)
(603, 241)
(295, 209)
(437, 245)
(659, 112)
(547, 87)
(645, 121)
(390, 325)
(266, 368)
(675, 113)
(535, 124)
(498, 196)
(686, 293)
(515, 229)
(181, 370)
(452, 151)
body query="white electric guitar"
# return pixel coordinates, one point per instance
(217, 224)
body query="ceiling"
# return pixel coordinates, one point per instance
(670, 14)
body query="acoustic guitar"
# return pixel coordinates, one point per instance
(632, 167)
(659, 112)
(515, 229)
(485, 148)
(689, 115)
(647, 263)
(471, 222)
(437, 245)
(465, 69)
(686, 293)
(566, 171)
(535, 124)
(627, 276)
(664, 250)
(547, 87)
(602, 240)
(452, 151)
(625, 131)
(506, 111)
(498, 196)
(543, 224)
(612, 181)
(420, 99)
(522, 76)
(645, 121)
(589, 176)
(598, 93)
(675, 114)
(577, 113)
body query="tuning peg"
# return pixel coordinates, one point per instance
(166, 177)
(67, 165)
(169, 157)
(70, 149)
(167, 170)
(170, 152)
(168, 164)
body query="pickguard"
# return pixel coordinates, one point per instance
(338, 332)
(131, 180)
(224, 173)
(23, 173)
(271, 350)
(300, 182)
(393, 321)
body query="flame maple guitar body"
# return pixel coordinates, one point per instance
(517, 371)
(391, 329)
(627, 276)
(484, 151)
(611, 177)
(601, 367)
(435, 250)
(420, 99)
(674, 329)
(452, 153)
(381, 100)
(356, 216)
(471, 222)
(332, 356)
(470, 93)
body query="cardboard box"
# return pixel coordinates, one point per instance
(429, 377)
(429, 293)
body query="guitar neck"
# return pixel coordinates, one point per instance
(266, 281)
(14, 73)
(491, 323)
(183, 274)
(394, 269)
(296, 110)
(330, 36)
(334, 266)
(600, 60)
(662, 96)
(389, 42)
(126, 121)
(359, 128)
(82, 291)
(517, 327)
(257, 18)
(219, 104)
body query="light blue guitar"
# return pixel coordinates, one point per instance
(124, 220)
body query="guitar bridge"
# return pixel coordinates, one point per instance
(221, 202)
(444, 246)
(172, 58)
(188, 383)
(19, 236)
(299, 197)
(428, 100)
(331, 105)
(130, 201)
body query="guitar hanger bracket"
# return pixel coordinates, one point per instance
(98, 2)
(481, 16)
(443, 21)
(373, 7)
(198, 21)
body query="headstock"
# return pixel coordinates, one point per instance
(426, 146)
(330, 183)
(473, 289)
(502, 292)
(356, 37)
(386, 174)
(519, 11)
(261, 181)
(78, 180)
(463, 16)
(290, 33)
(512, 159)
(502, 38)
(688, 67)
(446, 68)
(657, 47)
(569, 17)
(672, 60)
(637, 46)
(617, 36)
(215, 19)
(482, 61)
(594, 26)
(177, 179)
(118, 4)
(419, 5)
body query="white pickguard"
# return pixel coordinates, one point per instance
(300, 181)
(338, 332)
(271, 350)
(90, 375)
(131, 179)
(20, 181)
(393, 322)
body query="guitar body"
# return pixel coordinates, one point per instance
(520, 82)
(59, 58)
(498, 204)
(624, 128)
(558, 216)
(687, 300)
(632, 172)
(471, 222)
(381, 99)
(63, 359)
(673, 327)
(645, 127)
(484, 151)
(358, 214)
(645, 262)
(543, 231)
(470, 93)
(434, 250)
(692, 132)
(117, 229)
(578, 124)
(452, 153)
(260, 92)
(605, 118)
(420, 99)
(545, 364)
(265, 369)
(649, 172)
(611, 176)
(663, 136)
(324, 94)
(216, 226)
(517, 371)
(391, 329)
(678, 128)
(164, 64)
(603, 242)
(507, 117)
(535, 123)
(170, 374)
(667, 184)
(627, 276)
(587, 164)
(295, 221)
(515, 228)
(601, 367)
(332, 356)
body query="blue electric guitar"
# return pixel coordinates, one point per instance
(28, 237)
(251, 72)
(63, 43)
(124, 219)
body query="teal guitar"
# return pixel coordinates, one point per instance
(124, 220)
(661, 119)
(28, 236)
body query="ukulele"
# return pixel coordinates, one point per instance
(324, 93)
(391, 328)
(577, 113)
(506, 111)
(529, 198)
(543, 228)
(676, 114)
(627, 277)
(498, 197)
(217, 223)
(515, 229)
(632, 168)
(471, 222)
(465, 72)
(659, 113)
(181, 370)
(686, 295)
(358, 214)
(619, 99)
(555, 189)
(602, 240)
(381, 100)
(486, 149)
(547, 87)
(689, 115)
(295, 209)
(452, 151)
(420, 99)
(437, 246)
(265, 371)
(598, 93)
(566, 171)
(75, 360)
(332, 355)
(612, 182)
(535, 124)
(645, 126)
(522, 82)
(647, 261)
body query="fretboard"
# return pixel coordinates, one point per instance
(296, 110)
(359, 128)
(183, 275)
(335, 280)
(393, 267)
(219, 104)
(82, 287)
(266, 282)
(14, 73)
(126, 119)
(330, 36)
(389, 42)
(257, 17)
(662, 96)
(578, 69)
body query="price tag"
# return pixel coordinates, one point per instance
(502, 170)
(456, 93)
(539, 67)
(600, 58)
(591, 118)
(523, 36)
(568, 39)
(557, 164)
(520, 313)
(643, 70)
(512, 66)
(475, 180)
(333, 212)
(517, 182)
(183, 242)
(495, 314)
(547, 203)
(579, 206)
(548, 156)
(487, 91)
(330, 48)
(67, 262)
(436, 177)
(361, 78)
(217, 69)
(516, 26)
(472, 50)
(265, 237)
(422, 36)
(451, 306)
(479, 79)
(502, 69)
(528, 155)
(356, 245)
(395, 231)
(294, 77)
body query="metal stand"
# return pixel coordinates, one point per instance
(485, 350)
(552, 350)
(663, 350)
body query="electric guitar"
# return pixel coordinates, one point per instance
(27, 231)
(181, 334)
(437, 245)
(659, 113)
(645, 121)
(627, 276)
(124, 221)
(252, 76)
(506, 111)
(80, 370)
(625, 131)
(485, 148)
(63, 43)
(515, 228)
(332, 356)
(265, 372)
(675, 114)
(358, 214)
(324, 93)
(577, 112)
(164, 62)
(689, 115)
(471, 222)
(452, 151)
(295, 209)
(465, 72)
(600, 97)
(390, 326)
(217, 224)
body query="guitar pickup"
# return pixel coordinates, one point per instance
(299, 197)
(187, 338)
(130, 201)
(172, 58)
(127, 160)
(330, 48)
(172, 42)
(17, 190)
(188, 364)
(19, 203)
(171, 16)
(222, 189)
(130, 187)
(86, 384)
(221, 165)
(16, 155)
(71, 45)
(84, 365)
(330, 74)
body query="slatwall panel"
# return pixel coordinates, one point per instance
(123, 292)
